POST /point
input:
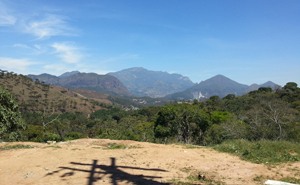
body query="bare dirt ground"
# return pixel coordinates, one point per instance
(85, 161)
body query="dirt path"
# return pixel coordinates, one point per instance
(85, 161)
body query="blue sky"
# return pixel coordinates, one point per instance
(249, 41)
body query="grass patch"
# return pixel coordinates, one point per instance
(260, 178)
(290, 180)
(262, 152)
(185, 170)
(178, 182)
(196, 177)
(113, 146)
(203, 177)
(75, 149)
(187, 146)
(19, 146)
(52, 146)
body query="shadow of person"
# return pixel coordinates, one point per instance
(115, 172)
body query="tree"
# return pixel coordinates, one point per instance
(184, 123)
(270, 118)
(265, 89)
(229, 97)
(10, 117)
(290, 92)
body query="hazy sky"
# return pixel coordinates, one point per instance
(249, 41)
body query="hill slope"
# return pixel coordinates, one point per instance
(41, 97)
(143, 82)
(218, 85)
(100, 83)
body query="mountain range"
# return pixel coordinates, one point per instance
(142, 82)
(217, 85)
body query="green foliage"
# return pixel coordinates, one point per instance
(72, 135)
(269, 118)
(115, 113)
(265, 89)
(185, 122)
(10, 117)
(32, 118)
(114, 146)
(197, 177)
(218, 117)
(145, 131)
(149, 112)
(51, 137)
(238, 104)
(34, 133)
(216, 134)
(263, 152)
(53, 146)
(293, 132)
(290, 180)
(290, 92)
(19, 146)
(123, 101)
(261, 114)
(229, 97)
(233, 129)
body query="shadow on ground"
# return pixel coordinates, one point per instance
(97, 172)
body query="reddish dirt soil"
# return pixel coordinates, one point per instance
(86, 161)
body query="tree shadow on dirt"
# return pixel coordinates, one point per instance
(97, 172)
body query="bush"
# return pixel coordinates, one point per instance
(34, 133)
(72, 135)
(214, 135)
(51, 137)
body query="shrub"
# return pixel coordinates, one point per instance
(72, 135)
(51, 137)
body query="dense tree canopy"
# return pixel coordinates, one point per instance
(10, 117)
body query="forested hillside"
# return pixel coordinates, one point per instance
(260, 114)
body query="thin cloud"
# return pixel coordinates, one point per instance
(50, 25)
(5, 18)
(22, 46)
(15, 64)
(67, 53)
(35, 50)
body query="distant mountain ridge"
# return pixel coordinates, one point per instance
(100, 83)
(218, 85)
(67, 74)
(143, 82)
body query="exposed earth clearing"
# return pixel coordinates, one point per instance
(93, 161)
